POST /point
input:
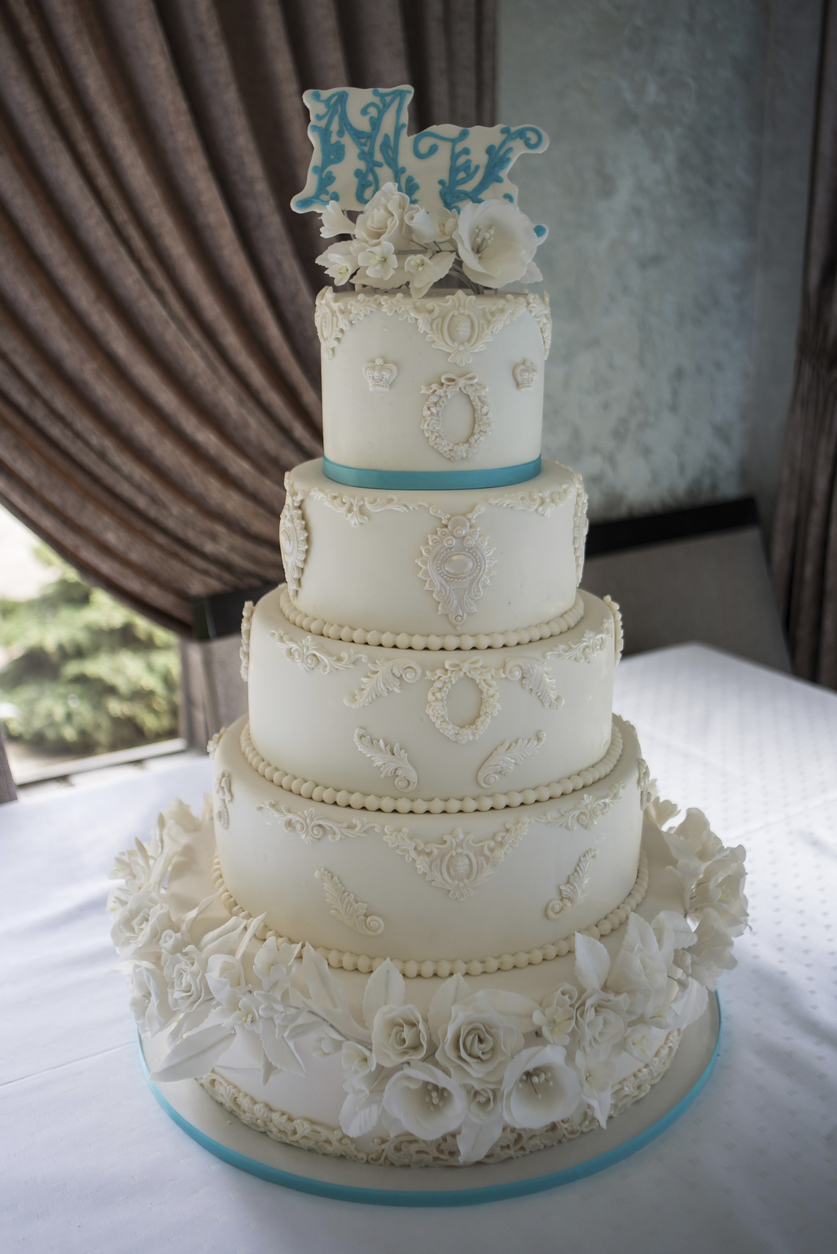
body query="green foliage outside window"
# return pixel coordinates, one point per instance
(86, 674)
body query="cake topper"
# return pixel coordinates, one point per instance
(426, 205)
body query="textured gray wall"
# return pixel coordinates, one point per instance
(675, 190)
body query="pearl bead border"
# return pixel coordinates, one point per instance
(415, 805)
(412, 968)
(402, 640)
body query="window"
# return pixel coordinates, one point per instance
(81, 675)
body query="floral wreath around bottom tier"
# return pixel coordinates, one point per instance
(486, 1069)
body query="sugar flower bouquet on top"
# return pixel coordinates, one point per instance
(395, 242)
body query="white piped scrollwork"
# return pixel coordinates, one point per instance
(535, 502)
(532, 675)
(618, 639)
(585, 810)
(579, 527)
(348, 908)
(459, 324)
(358, 510)
(644, 781)
(525, 374)
(214, 741)
(381, 679)
(456, 563)
(293, 537)
(457, 862)
(585, 648)
(438, 395)
(574, 888)
(380, 375)
(502, 760)
(223, 799)
(312, 827)
(310, 656)
(455, 669)
(244, 651)
(391, 760)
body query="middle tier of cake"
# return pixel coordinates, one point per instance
(395, 726)
(433, 563)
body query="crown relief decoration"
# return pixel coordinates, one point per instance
(438, 394)
(312, 827)
(346, 907)
(293, 538)
(456, 563)
(584, 811)
(525, 375)
(502, 760)
(309, 655)
(391, 760)
(381, 679)
(380, 375)
(223, 799)
(574, 888)
(457, 862)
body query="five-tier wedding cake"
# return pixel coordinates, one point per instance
(433, 916)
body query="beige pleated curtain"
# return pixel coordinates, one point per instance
(805, 534)
(159, 370)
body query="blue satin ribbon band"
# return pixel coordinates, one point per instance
(428, 480)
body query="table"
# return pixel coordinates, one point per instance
(89, 1162)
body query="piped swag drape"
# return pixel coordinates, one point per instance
(805, 534)
(159, 370)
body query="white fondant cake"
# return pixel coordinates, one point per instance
(434, 914)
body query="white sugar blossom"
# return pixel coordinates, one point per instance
(710, 954)
(333, 221)
(479, 1041)
(391, 218)
(186, 979)
(425, 269)
(601, 1016)
(272, 963)
(149, 997)
(399, 1035)
(595, 1076)
(423, 1100)
(138, 926)
(364, 1081)
(340, 261)
(693, 840)
(640, 972)
(556, 1017)
(496, 242)
(721, 888)
(483, 1122)
(379, 260)
(539, 1087)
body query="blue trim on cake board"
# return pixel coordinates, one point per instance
(431, 480)
(454, 1197)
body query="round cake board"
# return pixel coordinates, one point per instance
(213, 1127)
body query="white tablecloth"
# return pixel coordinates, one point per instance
(89, 1162)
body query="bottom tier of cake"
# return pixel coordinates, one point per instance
(379, 1068)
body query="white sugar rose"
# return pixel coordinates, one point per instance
(479, 1042)
(186, 979)
(399, 1035)
(389, 217)
(601, 1020)
(424, 1100)
(149, 997)
(539, 1088)
(140, 924)
(238, 1004)
(556, 1017)
(496, 243)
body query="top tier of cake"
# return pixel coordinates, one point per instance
(439, 391)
